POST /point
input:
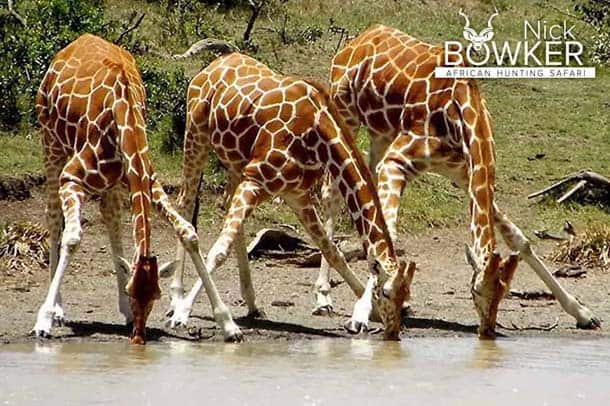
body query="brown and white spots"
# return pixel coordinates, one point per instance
(276, 136)
(91, 107)
(384, 80)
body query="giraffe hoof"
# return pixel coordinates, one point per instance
(355, 327)
(234, 337)
(40, 334)
(593, 323)
(58, 321)
(256, 314)
(58, 316)
(178, 316)
(325, 310)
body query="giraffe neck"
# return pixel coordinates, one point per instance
(354, 180)
(138, 171)
(482, 175)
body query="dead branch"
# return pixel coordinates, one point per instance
(255, 8)
(11, 11)
(134, 26)
(514, 327)
(531, 294)
(215, 45)
(342, 31)
(570, 271)
(583, 178)
(545, 235)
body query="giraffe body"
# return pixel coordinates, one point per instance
(384, 80)
(276, 136)
(91, 107)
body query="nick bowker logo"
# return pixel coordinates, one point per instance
(546, 51)
(478, 39)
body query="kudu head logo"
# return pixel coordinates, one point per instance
(478, 39)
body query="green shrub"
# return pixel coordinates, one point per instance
(597, 13)
(27, 51)
(166, 100)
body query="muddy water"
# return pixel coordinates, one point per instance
(317, 372)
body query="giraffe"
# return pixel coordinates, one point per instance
(276, 135)
(384, 80)
(91, 108)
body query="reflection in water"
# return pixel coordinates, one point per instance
(325, 371)
(488, 354)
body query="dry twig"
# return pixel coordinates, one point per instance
(11, 11)
(583, 178)
(514, 327)
(215, 45)
(130, 29)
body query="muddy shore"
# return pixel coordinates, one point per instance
(440, 306)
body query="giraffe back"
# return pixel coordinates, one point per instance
(86, 85)
(385, 80)
(258, 121)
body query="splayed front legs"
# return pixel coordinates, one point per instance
(190, 241)
(517, 241)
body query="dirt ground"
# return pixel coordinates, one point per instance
(440, 306)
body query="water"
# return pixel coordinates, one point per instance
(532, 371)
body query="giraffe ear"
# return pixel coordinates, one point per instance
(166, 270)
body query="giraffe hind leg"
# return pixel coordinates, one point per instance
(110, 208)
(71, 195)
(55, 224)
(247, 195)
(516, 241)
(329, 196)
(308, 216)
(241, 251)
(245, 277)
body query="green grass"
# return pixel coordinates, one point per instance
(20, 154)
(567, 120)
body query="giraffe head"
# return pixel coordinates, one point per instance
(489, 285)
(143, 290)
(393, 288)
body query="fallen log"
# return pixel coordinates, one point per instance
(583, 179)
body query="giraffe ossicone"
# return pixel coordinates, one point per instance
(276, 136)
(91, 107)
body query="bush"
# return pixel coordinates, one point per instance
(51, 25)
(166, 102)
(597, 13)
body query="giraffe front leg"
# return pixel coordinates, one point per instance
(71, 196)
(517, 241)
(196, 149)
